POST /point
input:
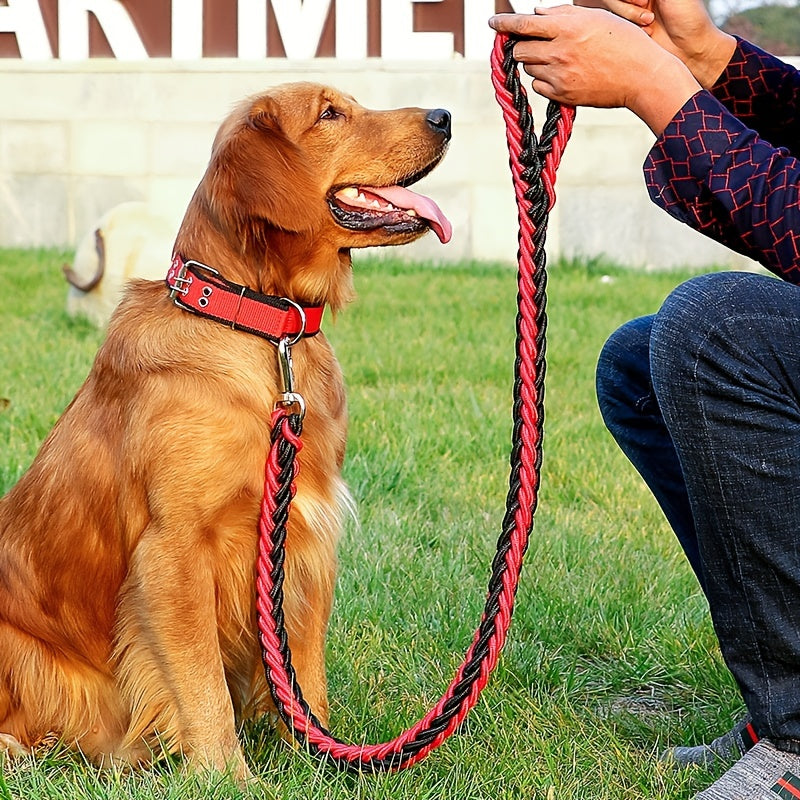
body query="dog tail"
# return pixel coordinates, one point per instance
(87, 286)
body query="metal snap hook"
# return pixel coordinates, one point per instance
(288, 396)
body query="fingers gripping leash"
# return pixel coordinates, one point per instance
(533, 165)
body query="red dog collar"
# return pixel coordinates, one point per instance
(202, 290)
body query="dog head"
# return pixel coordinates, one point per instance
(303, 170)
(300, 155)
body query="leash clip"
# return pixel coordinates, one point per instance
(288, 397)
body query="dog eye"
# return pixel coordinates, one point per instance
(330, 113)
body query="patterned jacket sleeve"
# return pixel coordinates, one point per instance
(711, 171)
(764, 93)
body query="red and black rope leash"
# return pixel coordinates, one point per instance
(533, 164)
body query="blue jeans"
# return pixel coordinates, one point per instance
(704, 399)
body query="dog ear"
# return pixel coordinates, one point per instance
(263, 115)
(259, 175)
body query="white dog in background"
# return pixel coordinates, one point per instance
(129, 241)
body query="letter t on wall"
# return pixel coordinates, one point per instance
(187, 29)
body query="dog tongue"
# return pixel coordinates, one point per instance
(425, 207)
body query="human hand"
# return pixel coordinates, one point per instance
(683, 27)
(637, 11)
(589, 57)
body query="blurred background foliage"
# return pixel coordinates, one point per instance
(774, 26)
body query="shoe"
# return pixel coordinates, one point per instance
(725, 749)
(762, 773)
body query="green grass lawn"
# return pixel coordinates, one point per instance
(611, 655)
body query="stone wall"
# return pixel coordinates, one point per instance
(77, 138)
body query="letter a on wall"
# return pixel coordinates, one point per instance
(24, 19)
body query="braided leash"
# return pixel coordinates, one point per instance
(533, 165)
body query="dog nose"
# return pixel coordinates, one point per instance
(439, 120)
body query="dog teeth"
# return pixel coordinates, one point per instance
(411, 212)
(360, 197)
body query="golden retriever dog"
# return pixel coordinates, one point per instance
(128, 549)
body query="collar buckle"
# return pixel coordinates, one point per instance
(179, 282)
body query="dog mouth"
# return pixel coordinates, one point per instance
(396, 209)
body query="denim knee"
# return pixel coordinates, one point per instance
(623, 371)
(693, 313)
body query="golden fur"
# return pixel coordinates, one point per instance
(127, 550)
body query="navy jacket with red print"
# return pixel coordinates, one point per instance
(728, 164)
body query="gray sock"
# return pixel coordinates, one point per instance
(762, 773)
(726, 748)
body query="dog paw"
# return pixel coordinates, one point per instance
(11, 747)
(231, 765)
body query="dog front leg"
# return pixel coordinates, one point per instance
(170, 652)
